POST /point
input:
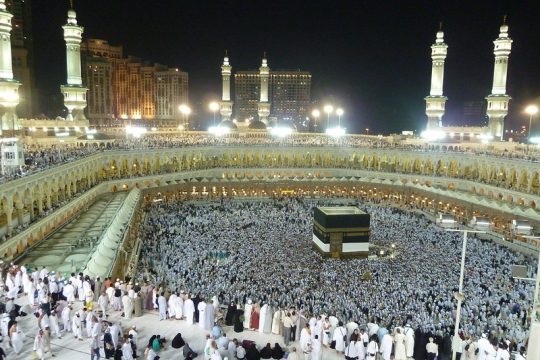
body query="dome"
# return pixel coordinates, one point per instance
(257, 125)
(228, 124)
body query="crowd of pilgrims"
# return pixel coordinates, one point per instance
(256, 258)
(41, 157)
(258, 255)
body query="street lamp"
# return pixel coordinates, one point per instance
(459, 296)
(315, 114)
(214, 106)
(531, 110)
(339, 112)
(328, 109)
(367, 131)
(185, 110)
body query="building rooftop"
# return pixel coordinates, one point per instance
(340, 210)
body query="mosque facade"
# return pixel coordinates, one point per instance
(497, 101)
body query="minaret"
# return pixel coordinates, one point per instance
(497, 102)
(9, 87)
(436, 101)
(226, 103)
(264, 105)
(74, 91)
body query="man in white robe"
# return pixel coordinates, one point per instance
(386, 346)
(55, 328)
(268, 322)
(209, 316)
(172, 308)
(162, 306)
(201, 306)
(248, 308)
(276, 322)
(409, 341)
(305, 340)
(178, 307)
(189, 310)
(262, 318)
(483, 347)
(339, 333)
(316, 348)
(363, 341)
(68, 292)
(103, 302)
(128, 306)
(77, 327)
(66, 315)
(116, 333)
(400, 352)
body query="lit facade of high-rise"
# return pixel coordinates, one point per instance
(247, 85)
(135, 89)
(289, 95)
(171, 91)
(99, 60)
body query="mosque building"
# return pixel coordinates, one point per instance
(497, 101)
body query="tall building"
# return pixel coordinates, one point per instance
(264, 106)
(226, 105)
(289, 95)
(246, 95)
(436, 101)
(135, 89)
(97, 75)
(99, 61)
(171, 91)
(23, 55)
(497, 102)
(9, 87)
(74, 91)
(474, 112)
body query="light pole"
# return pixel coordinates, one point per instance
(531, 110)
(328, 109)
(459, 296)
(367, 131)
(339, 112)
(315, 114)
(185, 110)
(214, 106)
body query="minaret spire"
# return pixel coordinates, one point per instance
(226, 105)
(9, 88)
(497, 102)
(74, 90)
(264, 105)
(435, 102)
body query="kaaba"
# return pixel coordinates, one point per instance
(341, 231)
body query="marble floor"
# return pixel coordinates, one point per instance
(68, 348)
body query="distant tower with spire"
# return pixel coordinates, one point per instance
(497, 102)
(9, 87)
(436, 101)
(226, 103)
(264, 104)
(74, 92)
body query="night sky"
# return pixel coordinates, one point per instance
(371, 57)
